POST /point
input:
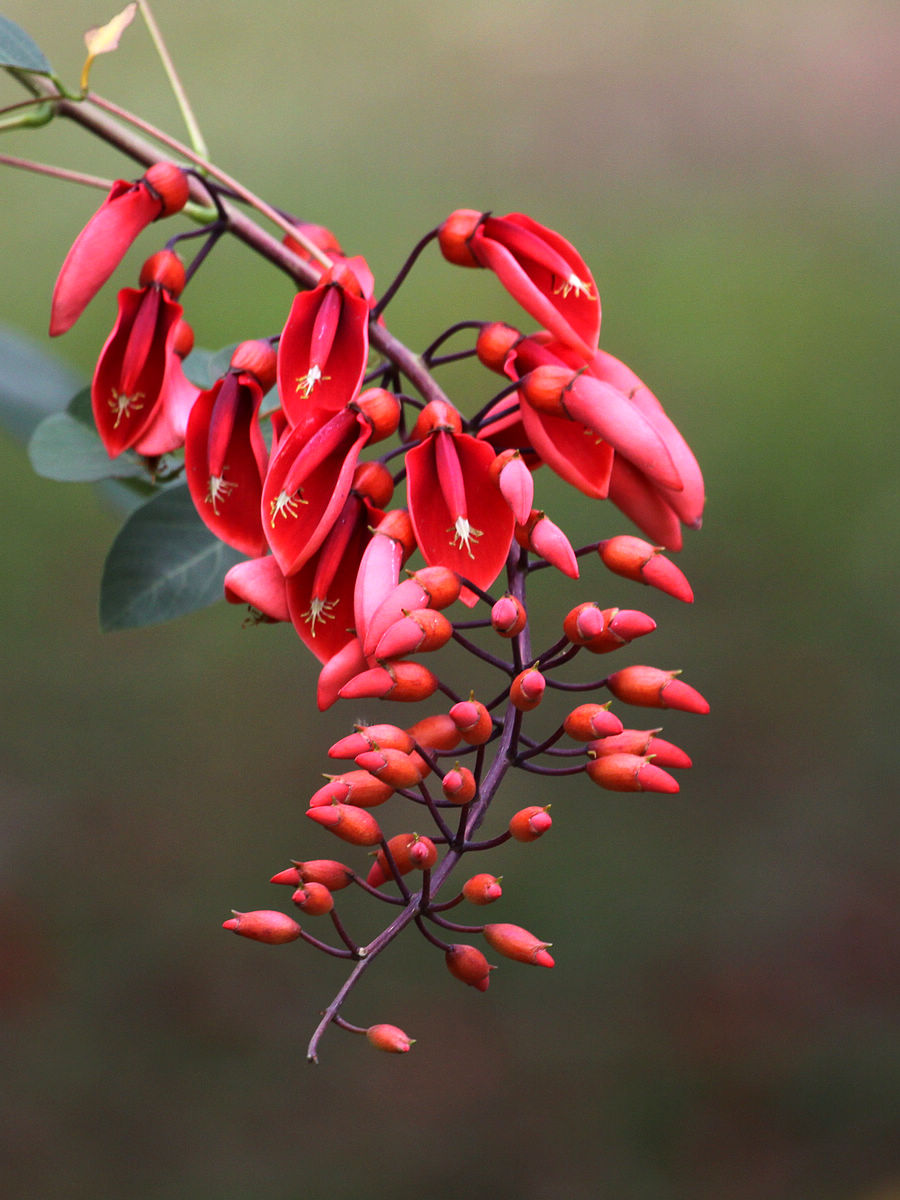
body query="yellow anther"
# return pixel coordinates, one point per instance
(576, 285)
(319, 610)
(123, 405)
(219, 488)
(463, 535)
(306, 383)
(285, 504)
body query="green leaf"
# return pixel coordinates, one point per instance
(163, 564)
(18, 50)
(65, 449)
(32, 383)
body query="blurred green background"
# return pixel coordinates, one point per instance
(722, 1020)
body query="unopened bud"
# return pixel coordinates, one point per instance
(636, 559)
(327, 871)
(257, 358)
(351, 824)
(419, 631)
(454, 234)
(515, 942)
(372, 737)
(528, 824)
(437, 732)
(264, 925)
(166, 270)
(409, 852)
(515, 481)
(642, 742)
(459, 785)
(356, 787)
(314, 899)
(473, 721)
(171, 185)
(494, 343)
(589, 721)
(469, 965)
(508, 616)
(527, 690)
(651, 687)
(406, 681)
(390, 766)
(630, 773)
(390, 1038)
(584, 623)
(542, 537)
(482, 889)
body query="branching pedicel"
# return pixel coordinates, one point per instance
(298, 481)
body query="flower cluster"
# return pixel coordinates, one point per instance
(366, 517)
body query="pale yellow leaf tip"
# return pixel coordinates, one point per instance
(105, 38)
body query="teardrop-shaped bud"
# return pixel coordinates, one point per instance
(351, 824)
(630, 773)
(389, 1038)
(589, 721)
(527, 689)
(528, 824)
(390, 766)
(517, 943)
(636, 559)
(651, 687)
(508, 616)
(459, 786)
(473, 721)
(482, 889)
(327, 871)
(314, 899)
(469, 965)
(264, 925)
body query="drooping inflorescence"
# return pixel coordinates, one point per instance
(384, 522)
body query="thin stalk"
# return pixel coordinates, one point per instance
(190, 121)
(27, 164)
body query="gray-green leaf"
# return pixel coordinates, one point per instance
(19, 50)
(163, 564)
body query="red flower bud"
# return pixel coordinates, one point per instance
(289, 876)
(359, 787)
(459, 785)
(171, 186)
(528, 824)
(651, 687)
(547, 540)
(623, 626)
(390, 766)
(410, 852)
(636, 559)
(494, 343)
(264, 925)
(469, 965)
(390, 1038)
(259, 359)
(589, 721)
(166, 269)
(327, 871)
(630, 773)
(643, 743)
(406, 681)
(508, 616)
(313, 898)
(351, 824)
(417, 632)
(454, 235)
(381, 409)
(527, 690)
(372, 737)
(516, 942)
(374, 482)
(437, 732)
(473, 721)
(584, 623)
(482, 889)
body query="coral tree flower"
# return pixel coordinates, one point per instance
(138, 358)
(309, 478)
(538, 267)
(324, 347)
(458, 512)
(225, 454)
(99, 248)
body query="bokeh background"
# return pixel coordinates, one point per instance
(722, 1021)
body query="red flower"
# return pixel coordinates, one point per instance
(323, 350)
(136, 362)
(225, 455)
(538, 267)
(309, 478)
(458, 512)
(97, 251)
